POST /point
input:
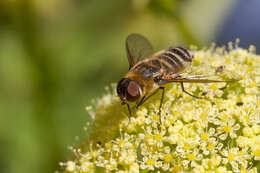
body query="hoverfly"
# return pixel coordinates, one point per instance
(148, 72)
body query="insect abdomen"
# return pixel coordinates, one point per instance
(176, 59)
(147, 69)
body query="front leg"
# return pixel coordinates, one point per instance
(144, 98)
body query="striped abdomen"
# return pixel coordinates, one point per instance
(172, 60)
(175, 60)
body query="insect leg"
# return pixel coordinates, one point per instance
(162, 88)
(140, 102)
(183, 89)
(129, 110)
(146, 98)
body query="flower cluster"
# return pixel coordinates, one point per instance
(218, 134)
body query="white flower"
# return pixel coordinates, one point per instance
(217, 134)
(228, 128)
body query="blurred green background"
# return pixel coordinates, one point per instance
(58, 55)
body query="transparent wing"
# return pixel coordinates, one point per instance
(214, 72)
(168, 79)
(137, 48)
(200, 75)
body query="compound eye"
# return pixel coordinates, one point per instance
(133, 91)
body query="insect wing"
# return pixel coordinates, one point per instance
(212, 72)
(137, 48)
(196, 76)
(169, 79)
